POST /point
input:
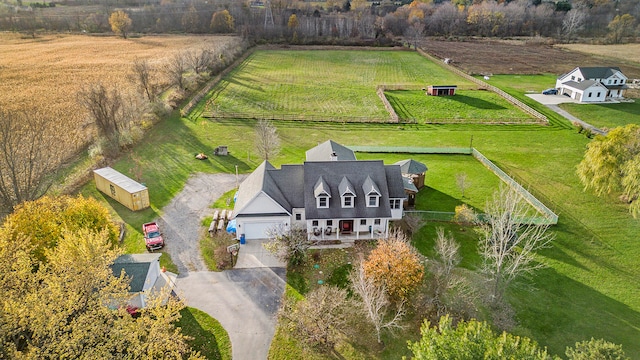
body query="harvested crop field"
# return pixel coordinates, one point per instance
(519, 57)
(44, 74)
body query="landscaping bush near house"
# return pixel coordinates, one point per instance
(214, 248)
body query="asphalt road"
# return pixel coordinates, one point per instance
(245, 301)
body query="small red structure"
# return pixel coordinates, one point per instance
(441, 90)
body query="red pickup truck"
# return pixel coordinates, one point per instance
(152, 236)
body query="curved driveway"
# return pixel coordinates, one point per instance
(245, 301)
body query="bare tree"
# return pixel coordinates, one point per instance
(322, 318)
(573, 22)
(507, 244)
(375, 302)
(267, 140)
(142, 77)
(108, 109)
(200, 61)
(288, 244)
(411, 223)
(174, 69)
(462, 180)
(30, 155)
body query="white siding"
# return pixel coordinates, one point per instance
(262, 204)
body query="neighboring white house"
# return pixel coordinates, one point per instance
(145, 274)
(593, 84)
(331, 195)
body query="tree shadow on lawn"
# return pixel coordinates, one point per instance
(204, 340)
(562, 311)
(475, 102)
(430, 199)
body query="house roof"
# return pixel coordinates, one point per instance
(395, 184)
(583, 85)
(410, 166)
(443, 86)
(600, 72)
(136, 267)
(351, 175)
(283, 185)
(121, 180)
(324, 151)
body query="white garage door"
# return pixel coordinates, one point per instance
(258, 230)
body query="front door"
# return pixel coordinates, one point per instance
(346, 226)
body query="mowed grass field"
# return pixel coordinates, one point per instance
(590, 287)
(322, 85)
(466, 106)
(621, 52)
(45, 74)
(606, 115)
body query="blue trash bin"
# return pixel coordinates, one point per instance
(242, 239)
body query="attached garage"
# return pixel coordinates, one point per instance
(257, 228)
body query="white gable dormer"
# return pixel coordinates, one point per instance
(322, 194)
(372, 192)
(347, 193)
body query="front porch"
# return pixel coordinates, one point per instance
(345, 237)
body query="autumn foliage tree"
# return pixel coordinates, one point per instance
(612, 164)
(120, 23)
(472, 340)
(395, 264)
(222, 22)
(71, 305)
(44, 221)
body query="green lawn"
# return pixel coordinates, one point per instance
(469, 106)
(334, 85)
(606, 115)
(208, 336)
(590, 287)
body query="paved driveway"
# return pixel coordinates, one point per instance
(244, 300)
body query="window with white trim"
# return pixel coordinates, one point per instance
(373, 200)
(323, 202)
(347, 201)
(394, 203)
(363, 221)
(376, 222)
(298, 216)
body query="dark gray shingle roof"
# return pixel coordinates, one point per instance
(410, 166)
(323, 152)
(598, 72)
(395, 184)
(356, 173)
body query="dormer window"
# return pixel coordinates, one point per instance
(322, 194)
(615, 81)
(372, 191)
(373, 201)
(347, 193)
(347, 201)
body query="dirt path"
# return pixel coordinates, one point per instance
(181, 219)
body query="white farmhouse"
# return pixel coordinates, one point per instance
(331, 195)
(593, 84)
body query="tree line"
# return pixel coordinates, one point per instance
(347, 20)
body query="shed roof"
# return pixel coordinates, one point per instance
(120, 179)
(410, 166)
(136, 267)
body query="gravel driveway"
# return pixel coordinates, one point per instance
(180, 221)
(246, 300)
